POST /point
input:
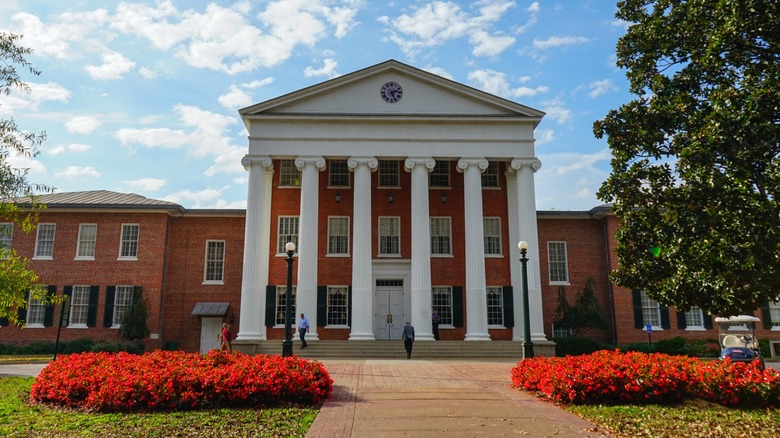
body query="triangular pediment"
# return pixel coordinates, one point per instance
(359, 94)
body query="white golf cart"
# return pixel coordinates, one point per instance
(737, 337)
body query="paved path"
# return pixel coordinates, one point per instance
(423, 398)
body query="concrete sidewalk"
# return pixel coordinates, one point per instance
(423, 398)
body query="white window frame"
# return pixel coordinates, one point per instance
(554, 263)
(79, 302)
(331, 308)
(123, 300)
(439, 171)
(282, 239)
(85, 247)
(489, 173)
(497, 309)
(651, 311)
(127, 244)
(214, 262)
(338, 244)
(440, 220)
(44, 245)
(441, 301)
(281, 291)
(289, 174)
(385, 172)
(774, 315)
(35, 308)
(494, 237)
(561, 331)
(6, 238)
(395, 222)
(692, 317)
(340, 173)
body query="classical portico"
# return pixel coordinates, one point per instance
(436, 126)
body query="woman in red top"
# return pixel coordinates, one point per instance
(225, 338)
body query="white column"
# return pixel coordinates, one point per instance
(306, 288)
(362, 291)
(476, 295)
(526, 215)
(515, 270)
(255, 269)
(421, 247)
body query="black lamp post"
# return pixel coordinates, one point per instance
(287, 345)
(528, 345)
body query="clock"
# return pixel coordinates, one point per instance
(391, 92)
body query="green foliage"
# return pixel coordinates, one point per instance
(695, 178)
(70, 347)
(586, 313)
(135, 347)
(134, 323)
(576, 346)
(677, 346)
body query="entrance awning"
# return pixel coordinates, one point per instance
(210, 309)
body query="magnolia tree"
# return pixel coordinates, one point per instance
(696, 155)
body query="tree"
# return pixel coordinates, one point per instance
(586, 313)
(16, 279)
(696, 169)
(134, 325)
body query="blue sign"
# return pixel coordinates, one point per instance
(649, 328)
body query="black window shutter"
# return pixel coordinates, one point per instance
(707, 321)
(457, 306)
(665, 317)
(108, 312)
(21, 315)
(766, 317)
(270, 305)
(48, 313)
(322, 306)
(681, 320)
(67, 292)
(3, 322)
(349, 306)
(92, 309)
(509, 307)
(637, 298)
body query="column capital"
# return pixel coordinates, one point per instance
(533, 163)
(480, 163)
(354, 162)
(427, 162)
(302, 161)
(257, 160)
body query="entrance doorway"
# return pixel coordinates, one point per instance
(210, 329)
(389, 317)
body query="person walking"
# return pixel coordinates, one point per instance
(303, 327)
(225, 338)
(435, 321)
(408, 337)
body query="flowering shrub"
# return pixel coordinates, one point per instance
(612, 377)
(166, 380)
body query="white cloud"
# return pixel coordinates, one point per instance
(597, 88)
(544, 136)
(566, 163)
(39, 93)
(147, 73)
(328, 70)
(82, 125)
(74, 148)
(558, 41)
(489, 45)
(235, 98)
(78, 172)
(440, 72)
(153, 137)
(56, 37)
(495, 82)
(257, 83)
(147, 184)
(114, 65)
(196, 199)
(556, 110)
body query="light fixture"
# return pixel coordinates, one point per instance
(390, 197)
(443, 197)
(287, 343)
(232, 318)
(528, 345)
(338, 197)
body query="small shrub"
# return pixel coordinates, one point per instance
(575, 346)
(641, 347)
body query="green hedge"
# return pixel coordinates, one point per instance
(677, 346)
(576, 346)
(70, 347)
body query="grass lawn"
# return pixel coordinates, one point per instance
(18, 418)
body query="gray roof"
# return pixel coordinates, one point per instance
(101, 199)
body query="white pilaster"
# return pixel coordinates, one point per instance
(515, 270)
(526, 208)
(255, 268)
(421, 247)
(362, 291)
(476, 295)
(306, 288)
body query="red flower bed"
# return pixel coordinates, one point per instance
(166, 380)
(612, 377)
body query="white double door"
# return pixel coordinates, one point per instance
(389, 316)
(210, 329)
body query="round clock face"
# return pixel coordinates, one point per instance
(391, 92)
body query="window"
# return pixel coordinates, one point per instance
(123, 300)
(495, 305)
(85, 249)
(440, 236)
(388, 173)
(651, 311)
(774, 314)
(338, 305)
(339, 173)
(441, 301)
(440, 175)
(128, 248)
(215, 261)
(289, 175)
(281, 302)
(389, 236)
(561, 331)
(288, 232)
(44, 241)
(6, 236)
(694, 318)
(557, 263)
(491, 229)
(36, 309)
(338, 235)
(490, 175)
(79, 306)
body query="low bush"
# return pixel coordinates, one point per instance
(677, 346)
(175, 380)
(575, 346)
(71, 347)
(614, 377)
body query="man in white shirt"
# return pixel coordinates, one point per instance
(303, 327)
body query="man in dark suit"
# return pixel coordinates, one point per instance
(408, 337)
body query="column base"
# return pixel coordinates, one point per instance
(243, 336)
(362, 337)
(477, 337)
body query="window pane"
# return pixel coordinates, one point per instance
(123, 299)
(389, 236)
(651, 311)
(79, 305)
(388, 173)
(339, 173)
(289, 175)
(281, 302)
(495, 305)
(215, 260)
(338, 235)
(490, 175)
(6, 236)
(35, 311)
(440, 236)
(492, 234)
(694, 318)
(44, 245)
(337, 305)
(440, 175)
(774, 313)
(129, 241)
(87, 238)
(288, 232)
(441, 301)
(557, 262)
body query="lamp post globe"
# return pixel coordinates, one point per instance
(287, 347)
(528, 345)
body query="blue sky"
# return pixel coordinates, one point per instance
(143, 96)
